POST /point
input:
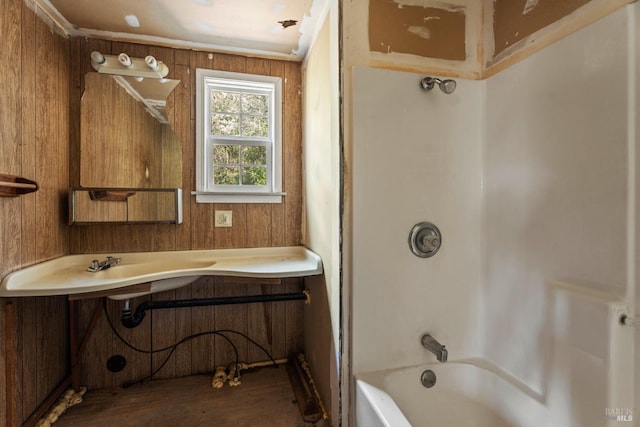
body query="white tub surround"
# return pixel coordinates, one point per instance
(558, 167)
(375, 408)
(69, 274)
(531, 176)
(466, 394)
(417, 157)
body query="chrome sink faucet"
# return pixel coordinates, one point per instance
(103, 265)
(435, 347)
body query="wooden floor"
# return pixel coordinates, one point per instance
(264, 398)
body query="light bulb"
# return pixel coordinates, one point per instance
(124, 59)
(151, 62)
(97, 57)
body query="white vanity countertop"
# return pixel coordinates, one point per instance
(68, 274)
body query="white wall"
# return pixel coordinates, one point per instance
(321, 151)
(633, 289)
(416, 157)
(557, 197)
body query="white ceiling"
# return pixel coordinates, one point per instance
(241, 26)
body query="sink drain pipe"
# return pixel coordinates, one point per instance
(131, 320)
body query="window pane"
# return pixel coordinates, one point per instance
(255, 126)
(255, 104)
(254, 155)
(224, 124)
(225, 102)
(226, 175)
(226, 154)
(239, 134)
(254, 176)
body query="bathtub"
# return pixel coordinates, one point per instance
(466, 394)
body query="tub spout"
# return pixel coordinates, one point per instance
(435, 347)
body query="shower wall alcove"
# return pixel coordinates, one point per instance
(515, 170)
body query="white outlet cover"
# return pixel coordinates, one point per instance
(223, 218)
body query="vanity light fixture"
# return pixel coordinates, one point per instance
(125, 65)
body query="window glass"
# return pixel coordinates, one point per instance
(239, 136)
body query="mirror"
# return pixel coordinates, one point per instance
(125, 138)
(125, 206)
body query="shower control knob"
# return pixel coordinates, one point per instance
(430, 241)
(425, 240)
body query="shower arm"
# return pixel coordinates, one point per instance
(447, 86)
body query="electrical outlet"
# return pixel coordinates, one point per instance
(223, 218)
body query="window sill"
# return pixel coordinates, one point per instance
(211, 197)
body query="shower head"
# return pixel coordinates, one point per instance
(447, 86)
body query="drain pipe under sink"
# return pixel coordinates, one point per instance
(131, 320)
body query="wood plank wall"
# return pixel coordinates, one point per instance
(254, 225)
(34, 142)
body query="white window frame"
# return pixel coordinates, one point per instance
(207, 80)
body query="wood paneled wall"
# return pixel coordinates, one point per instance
(34, 142)
(40, 139)
(255, 225)
(277, 326)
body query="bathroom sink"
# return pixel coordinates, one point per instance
(144, 269)
(157, 286)
(163, 270)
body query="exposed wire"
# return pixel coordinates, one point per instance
(173, 347)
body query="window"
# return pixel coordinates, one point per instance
(239, 148)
